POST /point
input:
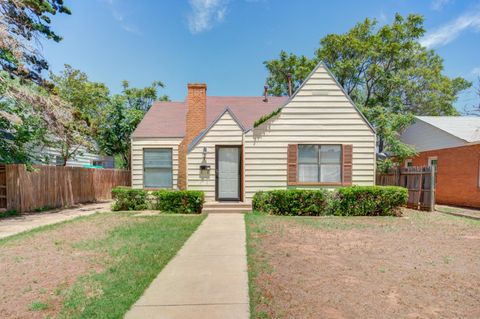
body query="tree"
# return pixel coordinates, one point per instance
(287, 65)
(475, 110)
(27, 115)
(142, 98)
(87, 100)
(122, 115)
(388, 74)
(86, 97)
(22, 23)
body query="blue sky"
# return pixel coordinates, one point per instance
(224, 42)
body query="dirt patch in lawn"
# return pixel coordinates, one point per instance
(38, 268)
(423, 265)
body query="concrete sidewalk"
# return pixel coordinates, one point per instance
(18, 224)
(206, 279)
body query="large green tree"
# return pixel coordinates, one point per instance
(86, 100)
(22, 24)
(29, 116)
(122, 115)
(387, 72)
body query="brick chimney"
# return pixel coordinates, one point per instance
(196, 110)
(195, 123)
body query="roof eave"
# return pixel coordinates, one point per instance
(199, 137)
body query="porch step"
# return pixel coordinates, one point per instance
(235, 207)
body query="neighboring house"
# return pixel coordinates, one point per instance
(48, 155)
(315, 138)
(84, 158)
(452, 144)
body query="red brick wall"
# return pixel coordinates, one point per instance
(457, 174)
(196, 121)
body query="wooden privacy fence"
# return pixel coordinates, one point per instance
(420, 182)
(56, 186)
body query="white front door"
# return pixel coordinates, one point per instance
(228, 173)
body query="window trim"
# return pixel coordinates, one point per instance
(171, 167)
(408, 161)
(340, 183)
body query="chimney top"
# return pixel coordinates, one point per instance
(197, 86)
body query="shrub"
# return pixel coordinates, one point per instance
(369, 201)
(127, 198)
(179, 202)
(9, 213)
(292, 202)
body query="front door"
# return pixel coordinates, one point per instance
(228, 173)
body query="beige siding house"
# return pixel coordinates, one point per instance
(315, 138)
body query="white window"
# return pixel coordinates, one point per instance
(157, 168)
(408, 163)
(319, 163)
(432, 161)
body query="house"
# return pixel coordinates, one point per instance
(84, 158)
(452, 144)
(232, 147)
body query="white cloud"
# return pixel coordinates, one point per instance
(120, 18)
(205, 14)
(476, 71)
(438, 5)
(450, 31)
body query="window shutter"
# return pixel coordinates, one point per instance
(292, 163)
(347, 152)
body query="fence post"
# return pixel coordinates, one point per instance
(432, 188)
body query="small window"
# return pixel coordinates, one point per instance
(157, 168)
(433, 161)
(97, 163)
(319, 163)
(408, 163)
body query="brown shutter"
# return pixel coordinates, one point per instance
(347, 152)
(292, 163)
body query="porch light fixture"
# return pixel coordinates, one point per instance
(204, 167)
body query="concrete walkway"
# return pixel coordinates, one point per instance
(459, 211)
(206, 279)
(14, 225)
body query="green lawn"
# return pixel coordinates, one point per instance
(126, 253)
(137, 252)
(257, 263)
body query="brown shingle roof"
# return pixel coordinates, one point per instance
(167, 119)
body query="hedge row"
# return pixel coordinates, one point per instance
(369, 201)
(168, 201)
(348, 201)
(292, 202)
(182, 202)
